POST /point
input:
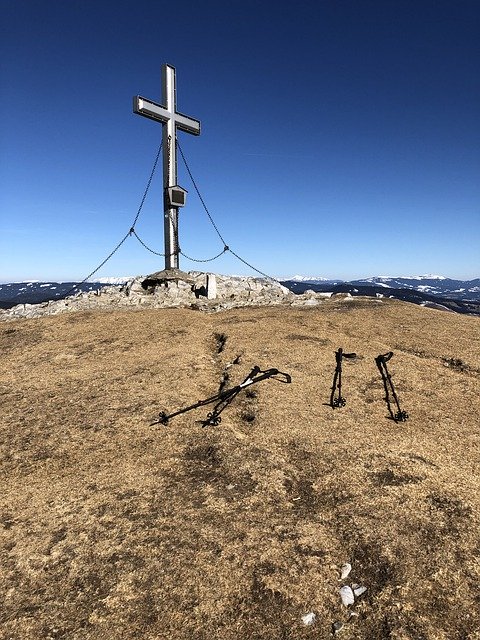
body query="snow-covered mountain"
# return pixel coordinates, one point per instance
(34, 291)
(456, 295)
(433, 291)
(298, 278)
(433, 285)
(429, 284)
(120, 280)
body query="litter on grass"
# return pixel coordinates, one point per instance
(347, 596)
(358, 590)
(309, 618)
(346, 568)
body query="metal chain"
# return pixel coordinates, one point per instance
(205, 260)
(174, 224)
(70, 291)
(132, 230)
(156, 253)
(254, 268)
(148, 184)
(226, 247)
(199, 195)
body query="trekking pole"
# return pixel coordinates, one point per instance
(339, 401)
(224, 398)
(381, 362)
(256, 375)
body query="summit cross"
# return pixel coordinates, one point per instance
(171, 120)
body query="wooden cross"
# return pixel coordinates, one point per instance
(171, 120)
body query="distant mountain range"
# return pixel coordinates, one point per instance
(35, 292)
(462, 296)
(428, 290)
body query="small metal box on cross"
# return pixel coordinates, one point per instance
(171, 120)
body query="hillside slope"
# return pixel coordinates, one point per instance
(112, 528)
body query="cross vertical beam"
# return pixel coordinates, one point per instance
(171, 120)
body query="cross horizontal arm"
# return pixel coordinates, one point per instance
(185, 123)
(158, 112)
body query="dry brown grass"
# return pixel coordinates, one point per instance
(113, 529)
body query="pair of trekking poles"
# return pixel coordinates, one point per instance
(337, 400)
(222, 399)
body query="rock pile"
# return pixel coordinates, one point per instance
(173, 288)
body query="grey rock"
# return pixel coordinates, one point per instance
(172, 288)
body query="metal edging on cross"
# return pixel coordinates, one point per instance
(171, 120)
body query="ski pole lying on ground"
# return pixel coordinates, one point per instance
(339, 401)
(224, 398)
(381, 362)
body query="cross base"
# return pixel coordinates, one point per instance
(165, 276)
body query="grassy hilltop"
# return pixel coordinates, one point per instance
(115, 529)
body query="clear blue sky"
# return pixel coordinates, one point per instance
(340, 138)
